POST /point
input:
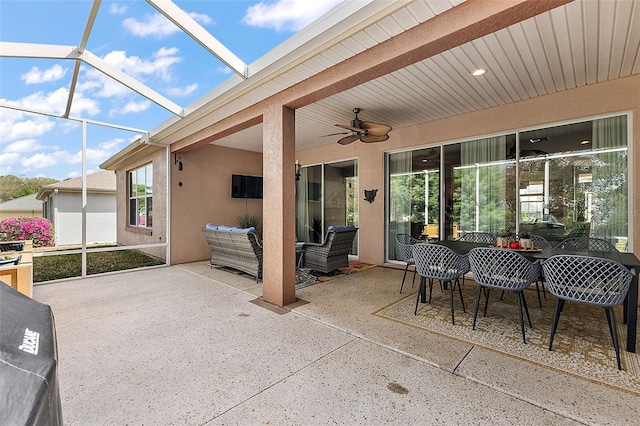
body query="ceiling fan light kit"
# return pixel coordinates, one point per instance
(365, 131)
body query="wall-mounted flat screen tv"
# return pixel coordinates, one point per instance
(246, 186)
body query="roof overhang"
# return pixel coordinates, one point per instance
(235, 93)
(132, 153)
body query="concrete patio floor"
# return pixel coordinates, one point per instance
(185, 345)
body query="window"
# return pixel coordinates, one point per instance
(141, 197)
(567, 180)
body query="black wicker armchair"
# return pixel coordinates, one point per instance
(333, 253)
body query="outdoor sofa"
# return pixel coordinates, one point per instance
(237, 248)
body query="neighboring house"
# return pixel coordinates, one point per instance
(62, 205)
(27, 206)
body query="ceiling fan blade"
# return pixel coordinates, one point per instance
(373, 138)
(334, 134)
(348, 139)
(353, 129)
(375, 129)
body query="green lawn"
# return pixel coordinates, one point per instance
(47, 268)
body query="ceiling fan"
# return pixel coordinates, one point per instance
(366, 131)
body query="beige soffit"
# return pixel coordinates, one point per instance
(583, 42)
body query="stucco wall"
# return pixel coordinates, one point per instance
(157, 234)
(5, 214)
(611, 97)
(101, 218)
(205, 197)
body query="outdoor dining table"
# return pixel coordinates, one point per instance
(629, 260)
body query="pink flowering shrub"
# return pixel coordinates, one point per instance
(37, 229)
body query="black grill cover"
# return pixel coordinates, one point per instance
(29, 391)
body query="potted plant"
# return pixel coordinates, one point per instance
(248, 220)
(503, 237)
(525, 241)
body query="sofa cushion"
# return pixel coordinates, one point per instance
(341, 228)
(224, 228)
(250, 230)
(211, 226)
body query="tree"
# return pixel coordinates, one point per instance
(18, 186)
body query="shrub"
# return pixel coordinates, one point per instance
(248, 220)
(37, 229)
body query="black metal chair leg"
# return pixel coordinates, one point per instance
(430, 289)
(614, 334)
(556, 318)
(526, 309)
(422, 288)
(475, 313)
(413, 283)
(403, 277)
(538, 291)
(460, 291)
(524, 340)
(486, 300)
(453, 319)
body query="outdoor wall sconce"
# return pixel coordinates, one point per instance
(177, 160)
(370, 195)
(298, 169)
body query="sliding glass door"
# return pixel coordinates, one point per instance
(414, 195)
(557, 181)
(326, 195)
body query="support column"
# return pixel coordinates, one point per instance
(278, 206)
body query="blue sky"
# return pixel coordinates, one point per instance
(135, 38)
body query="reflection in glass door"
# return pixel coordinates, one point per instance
(326, 195)
(414, 196)
(556, 182)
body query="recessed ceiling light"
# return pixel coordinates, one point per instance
(478, 72)
(585, 143)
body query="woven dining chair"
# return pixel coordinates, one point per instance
(478, 237)
(436, 262)
(589, 280)
(405, 243)
(504, 270)
(540, 242)
(587, 244)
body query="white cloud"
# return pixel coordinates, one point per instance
(287, 15)
(94, 156)
(55, 102)
(35, 76)
(160, 65)
(224, 70)
(111, 144)
(42, 160)
(12, 130)
(7, 163)
(158, 26)
(182, 91)
(117, 9)
(24, 145)
(131, 107)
